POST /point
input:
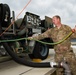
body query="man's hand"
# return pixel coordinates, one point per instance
(75, 27)
(74, 30)
(30, 38)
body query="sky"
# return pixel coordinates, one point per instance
(66, 9)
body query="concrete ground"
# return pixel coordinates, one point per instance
(13, 68)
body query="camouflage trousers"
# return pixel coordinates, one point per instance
(70, 58)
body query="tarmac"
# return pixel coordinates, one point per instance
(13, 68)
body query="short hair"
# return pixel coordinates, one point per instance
(57, 16)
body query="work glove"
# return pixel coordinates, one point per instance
(30, 38)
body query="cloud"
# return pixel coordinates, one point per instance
(65, 8)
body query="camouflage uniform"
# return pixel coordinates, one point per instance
(63, 51)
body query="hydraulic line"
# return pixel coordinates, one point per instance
(41, 41)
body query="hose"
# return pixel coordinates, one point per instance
(39, 40)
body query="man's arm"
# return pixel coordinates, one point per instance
(41, 36)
